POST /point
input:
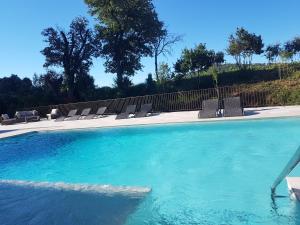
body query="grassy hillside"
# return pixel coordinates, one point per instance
(279, 92)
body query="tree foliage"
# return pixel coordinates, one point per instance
(292, 48)
(15, 93)
(243, 45)
(72, 51)
(13, 84)
(197, 60)
(150, 84)
(50, 83)
(164, 72)
(127, 30)
(272, 52)
(296, 45)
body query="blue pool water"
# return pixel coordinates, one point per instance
(205, 173)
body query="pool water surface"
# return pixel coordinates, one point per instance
(200, 173)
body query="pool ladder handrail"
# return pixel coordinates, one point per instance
(286, 171)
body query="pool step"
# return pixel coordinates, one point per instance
(85, 188)
(46, 203)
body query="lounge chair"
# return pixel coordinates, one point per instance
(209, 109)
(125, 115)
(100, 112)
(5, 120)
(84, 113)
(71, 114)
(54, 114)
(232, 107)
(145, 109)
(27, 116)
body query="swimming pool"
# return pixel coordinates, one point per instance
(200, 173)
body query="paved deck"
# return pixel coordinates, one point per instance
(293, 184)
(163, 118)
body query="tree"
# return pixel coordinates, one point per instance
(286, 55)
(127, 30)
(235, 50)
(180, 68)
(197, 60)
(163, 46)
(202, 58)
(272, 52)
(296, 45)
(49, 82)
(150, 84)
(292, 47)
(14, 84)
(219, 58)
(288, 51)
(50, 85)
(184, 64)
(164, 72)
(16, 93)
(243, 45)
(215, 77)
(84, 82)
(73, 51)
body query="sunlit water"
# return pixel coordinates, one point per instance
(204, 173)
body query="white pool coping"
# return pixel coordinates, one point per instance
(293, 184)
(163, 118)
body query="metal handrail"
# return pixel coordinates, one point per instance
(287, 170)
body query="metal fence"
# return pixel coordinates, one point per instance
(168, 102)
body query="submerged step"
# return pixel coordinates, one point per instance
(24, 202)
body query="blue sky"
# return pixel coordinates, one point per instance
(199, 21)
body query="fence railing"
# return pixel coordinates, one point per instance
(167, 102)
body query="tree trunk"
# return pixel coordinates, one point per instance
(279, 70)
(198, 73)
(120, 84)
(70, 84)
(71, 94)
(156, 66)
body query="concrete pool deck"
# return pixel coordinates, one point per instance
(293, 184)
(163, 118)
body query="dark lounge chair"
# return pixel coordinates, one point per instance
(84, 113)
(232, 107)
(100, 113)
(71, 114)
(209, 109)
(145, 109)
(125, 115)
(5, 120)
